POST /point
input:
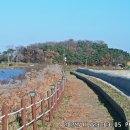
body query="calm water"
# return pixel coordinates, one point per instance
(7, 74)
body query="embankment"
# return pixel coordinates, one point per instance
(116, 103)
(119, 82)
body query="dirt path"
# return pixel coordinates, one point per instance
(80, 105)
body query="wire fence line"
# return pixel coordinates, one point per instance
(47, 105)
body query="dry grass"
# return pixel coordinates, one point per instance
(120, 99)
(38, 79)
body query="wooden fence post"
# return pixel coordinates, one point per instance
(34, 113)
(57, 102)
(63, 87)
(65, 80)
(55, 99)
(5, 118)
(43, 110)
(64, 84)
(23, 114)
(61, 90)
(60, 93)
(49, 105)
(52, 104)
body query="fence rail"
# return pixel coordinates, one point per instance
(53, 99)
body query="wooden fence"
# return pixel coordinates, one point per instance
(53, 99)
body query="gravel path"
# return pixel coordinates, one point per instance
(80, 104)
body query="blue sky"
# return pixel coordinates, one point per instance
(23, 22)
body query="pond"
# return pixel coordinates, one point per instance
(8, 74)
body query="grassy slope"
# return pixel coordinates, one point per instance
(123, 101)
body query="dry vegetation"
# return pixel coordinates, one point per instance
(80, 104)
(122, 100)
(39, 81)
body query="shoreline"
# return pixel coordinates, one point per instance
(39, 81)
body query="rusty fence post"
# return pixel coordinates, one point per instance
(43, 110)
(33, 101)
(49, 105)
(23, 114)
(5, 118)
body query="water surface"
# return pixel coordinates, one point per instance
(7, 74)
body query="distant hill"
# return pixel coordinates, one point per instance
(77, 52)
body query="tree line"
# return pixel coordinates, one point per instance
(77, 52)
